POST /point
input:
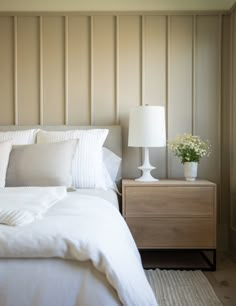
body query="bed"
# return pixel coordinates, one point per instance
(79, 253)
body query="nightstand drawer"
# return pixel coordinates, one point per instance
(169, 201)
(173, 232)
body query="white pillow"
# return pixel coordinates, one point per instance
(87, 166)
(48, 164)
(19, 137)
(112, 163)
(5, 149)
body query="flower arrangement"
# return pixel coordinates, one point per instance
(189, 148)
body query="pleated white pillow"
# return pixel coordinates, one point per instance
(5, 149)
(19, 137)
(87, 166)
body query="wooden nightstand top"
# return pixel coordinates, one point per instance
(167, 182)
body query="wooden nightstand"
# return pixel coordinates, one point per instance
(171, 214)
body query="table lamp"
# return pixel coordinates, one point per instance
(147, 129)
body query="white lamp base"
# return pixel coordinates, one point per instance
(146, 169)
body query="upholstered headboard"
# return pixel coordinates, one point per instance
(113, 141)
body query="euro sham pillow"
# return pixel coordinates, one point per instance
(5, 149)
(41, 164)
(19, 137)
(87, 166)
(112, 163)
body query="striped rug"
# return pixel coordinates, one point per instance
(181, 288)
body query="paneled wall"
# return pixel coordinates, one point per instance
(232, 70)
(92, 68)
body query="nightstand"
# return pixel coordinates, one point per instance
(171, 214)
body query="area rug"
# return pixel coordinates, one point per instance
(181, 288)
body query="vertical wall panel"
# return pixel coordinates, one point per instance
(104, 73)
(180, 84)
(224, 199)
(78, 70)
(233, 138)
(139, 69)
(207, 94)
(129, 85)
(154, 77)
(66, 64)
(15, 52)
(232, 146)
(53, 67)
(6, 71)
(225, 112)
(41, 69)
(28, 70)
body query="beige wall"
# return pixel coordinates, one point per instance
(113, 5)
(80, 69)
(232, 71)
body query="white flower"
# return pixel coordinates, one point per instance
(189, 148)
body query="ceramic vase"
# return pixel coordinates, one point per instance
(190, 171)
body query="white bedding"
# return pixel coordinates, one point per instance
(108, 195)
(35, 282)
(82, 228)
(22, 205)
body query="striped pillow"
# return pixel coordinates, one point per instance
(19, 137)
(5, 149)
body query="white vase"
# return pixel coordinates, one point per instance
(190, 171)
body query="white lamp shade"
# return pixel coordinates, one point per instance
(147, 126)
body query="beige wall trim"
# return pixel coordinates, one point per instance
(91, 72)
(66, 70)
(194, 72)
(15, 72)
(231, 109)
(232, 78)
(167, 86)
(116, 13)
(117, 106)
(220, 116)
(41, 70)
(142, 60)
(142, 70)
(231, 95)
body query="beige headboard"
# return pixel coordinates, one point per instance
(113, 141)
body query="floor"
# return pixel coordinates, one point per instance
(223, 280)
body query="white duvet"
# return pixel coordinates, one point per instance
(84, 228)
(22, 205)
